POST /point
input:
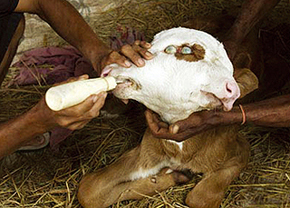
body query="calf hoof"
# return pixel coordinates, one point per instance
(204, 200)
(179, 176)
(182, 177)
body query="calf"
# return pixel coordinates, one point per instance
(190, 72)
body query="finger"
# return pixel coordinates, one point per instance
(95, 110)
(162, 133)
(145, 44)
(143, 52)
(129, 52)
(165, 134)
(151, 123)
(73, 79)
(137, 42)
(157, 128)
(115, 57)
(92, 113)
(179, 127)
(154, 118)
(157, 120)
(80, 109)
(98, 102)
(173, 129)
(193, 121)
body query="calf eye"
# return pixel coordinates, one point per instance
(186, 50)
(170, 49)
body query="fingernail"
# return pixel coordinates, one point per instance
(83, 76)
(175, 129)
(148, 54)
(127, 63)
(95, 99)
(141, 62)
(148, 44)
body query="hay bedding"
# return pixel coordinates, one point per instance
(50, 179)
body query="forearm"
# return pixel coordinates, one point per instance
(274, 112)
(69, 24)
(16, 132)
(252, 12)
(72, 27)
(41, 119)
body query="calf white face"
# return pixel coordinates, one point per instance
(190, 72)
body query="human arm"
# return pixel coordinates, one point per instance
(69, 24)
(252, 12)
(40, 119)
(274, 112)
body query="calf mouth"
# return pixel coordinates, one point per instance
(128, 82)
(216, 103)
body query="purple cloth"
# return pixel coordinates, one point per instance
(57, 65)
(125, 35)
(57, 136)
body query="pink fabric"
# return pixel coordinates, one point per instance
(57, 65)
(57, 136)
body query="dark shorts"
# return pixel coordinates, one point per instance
(8, 25)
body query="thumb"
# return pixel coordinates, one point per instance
(179, 126)
(174, 128)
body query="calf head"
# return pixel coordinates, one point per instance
(190, 72)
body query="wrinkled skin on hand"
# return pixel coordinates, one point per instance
(40, 119)
(74, 117)
(127, 55)
(183, 129)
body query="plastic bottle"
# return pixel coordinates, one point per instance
(73, 93)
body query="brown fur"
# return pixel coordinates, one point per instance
(220, 154)
(197, 54)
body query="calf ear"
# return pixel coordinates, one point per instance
(247, 80)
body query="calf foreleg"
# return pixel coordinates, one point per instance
(209, 192)
(129, 177)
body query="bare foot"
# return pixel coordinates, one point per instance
(36, 143)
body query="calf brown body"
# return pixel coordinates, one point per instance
(220, 154)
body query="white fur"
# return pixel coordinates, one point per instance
(179, 144)
(176, 88)
(144, 173)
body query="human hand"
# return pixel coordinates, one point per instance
(183, 129)
(75, 117)
(134, 53)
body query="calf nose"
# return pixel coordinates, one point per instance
(232, 93)
(232, 89)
